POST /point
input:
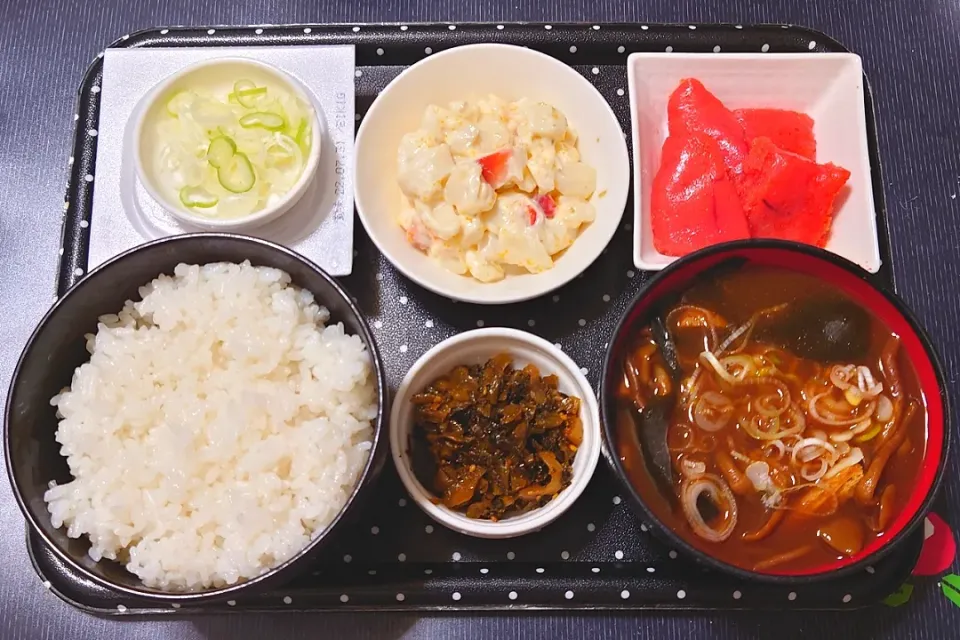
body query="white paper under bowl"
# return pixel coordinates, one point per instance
(218, 76)
(826, 86)
(470, 72)
(476, 347)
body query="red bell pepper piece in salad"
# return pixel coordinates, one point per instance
(547, 204)
(493, 168)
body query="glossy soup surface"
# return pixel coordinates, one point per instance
(803, 451)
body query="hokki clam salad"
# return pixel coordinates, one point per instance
(491, 187)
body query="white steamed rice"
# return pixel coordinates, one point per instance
(218, 427)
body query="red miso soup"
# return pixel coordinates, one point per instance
(796, 427)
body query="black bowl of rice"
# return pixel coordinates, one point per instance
(196, 418)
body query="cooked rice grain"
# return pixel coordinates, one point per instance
(218, 427)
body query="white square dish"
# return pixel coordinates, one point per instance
(826, 86)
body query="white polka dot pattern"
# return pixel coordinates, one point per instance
(572, 320)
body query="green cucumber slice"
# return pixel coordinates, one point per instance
(220, 151)
(237, 175)
(198, 198)
(264, 120)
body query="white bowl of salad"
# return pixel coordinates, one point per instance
(228, 143)
(491, 173)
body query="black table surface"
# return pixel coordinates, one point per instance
(910, 50)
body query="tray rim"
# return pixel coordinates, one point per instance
(156, 612)
(85, 118)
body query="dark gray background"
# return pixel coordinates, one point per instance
(911, 51)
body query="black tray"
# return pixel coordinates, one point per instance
(598, 555)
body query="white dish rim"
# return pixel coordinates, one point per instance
(529, 522)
